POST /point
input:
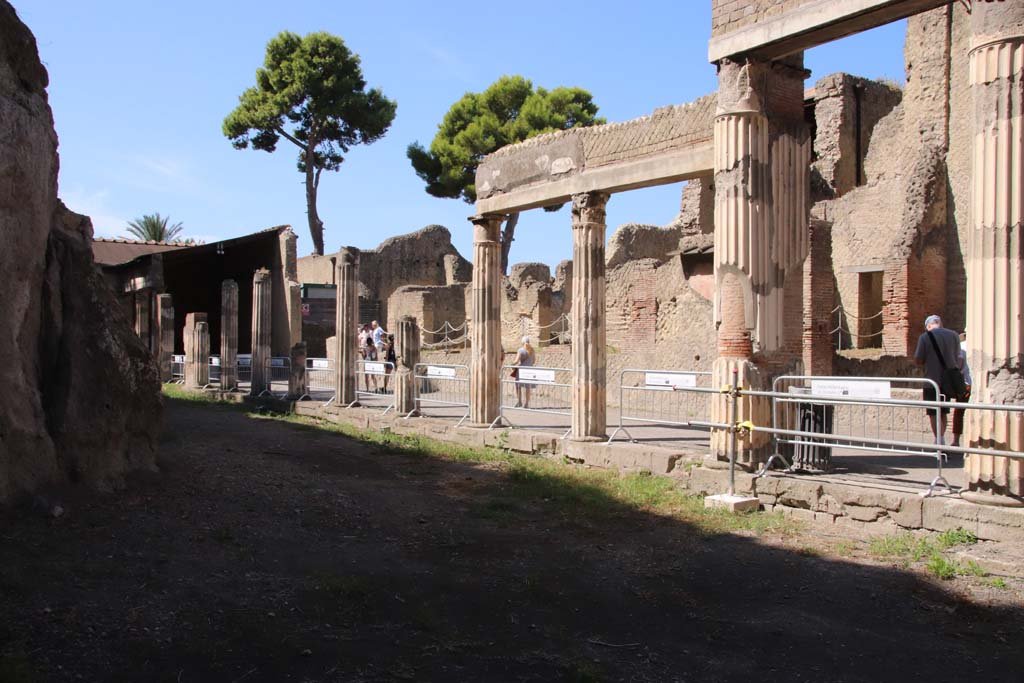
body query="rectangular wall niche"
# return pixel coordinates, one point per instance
(868, 326)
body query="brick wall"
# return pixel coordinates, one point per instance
(819, 300)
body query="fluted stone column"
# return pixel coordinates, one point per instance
(165, 334)
(485, 330)
(762, 154)
(346, 323)
(995, 284)
(197, 351)
(589, 364)
(287, 243)
(297, 371)
(261, 323)
(408, 353)
(229, 335)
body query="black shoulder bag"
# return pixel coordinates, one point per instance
(953, 384)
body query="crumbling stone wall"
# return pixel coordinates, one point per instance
(432, 306)
(846, 110)
(527, 308)
(81, 399)
(904, 218)
(426, 257)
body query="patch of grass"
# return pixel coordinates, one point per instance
(905, 547)
(843, 549)
(942, 567)
(912, 549)
(955, 537)
(998, 582)
(567, 488)
(177, 392)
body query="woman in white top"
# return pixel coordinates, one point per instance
(525, 357)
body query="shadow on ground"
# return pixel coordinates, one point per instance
(272, 551)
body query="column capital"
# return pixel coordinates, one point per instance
(486, 227)
(996, 22)
(348, 256)
(589, 207)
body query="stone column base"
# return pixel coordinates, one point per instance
(752, 448)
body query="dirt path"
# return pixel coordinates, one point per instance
(269, 551)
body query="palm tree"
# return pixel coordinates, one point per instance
(154, 228)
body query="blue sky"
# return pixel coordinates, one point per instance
(139, 89)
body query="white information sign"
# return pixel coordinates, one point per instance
(319, 363)
(436, 371)
(277, 362)
(851, 388)
(377, 368)
(668, 381)
(244, 360)
(177, 359)
(535, 376)
(215, 360)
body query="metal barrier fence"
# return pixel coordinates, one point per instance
(177, 369)
(535, 389)
(664, 397)
(278, 371)
(860, 424)
(214, 369)
(379, 374)
(319, 377)
(441, 385)
(872, 441)
(244, 368)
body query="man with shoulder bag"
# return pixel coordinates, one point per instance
(938, 350)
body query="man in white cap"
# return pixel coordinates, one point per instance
(937, 349)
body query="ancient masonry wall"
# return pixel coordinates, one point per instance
(906, 217)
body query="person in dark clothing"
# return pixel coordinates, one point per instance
(937, 340)
(391, 358)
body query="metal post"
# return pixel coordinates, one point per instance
(732, 432)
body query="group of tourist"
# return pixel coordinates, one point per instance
(376, 345)
(943, 354)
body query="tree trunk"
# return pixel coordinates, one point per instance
(508, 235)
(316, 226)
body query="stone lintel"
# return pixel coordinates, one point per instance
(811, 24)
(658, 169)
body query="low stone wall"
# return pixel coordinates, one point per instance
(873, 508)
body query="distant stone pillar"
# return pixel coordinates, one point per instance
(229, 335)
(408, 353)
(995, 284)
(297, 371)
(261, 322)
(589, 362)
(197, 352)
(346, 324)
(165, 334)
(485, 331)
